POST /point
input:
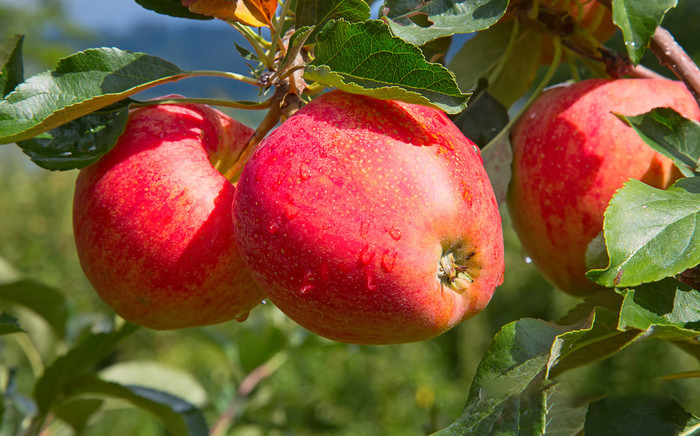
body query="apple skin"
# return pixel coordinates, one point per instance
(152, 220)
(345, 211)
(571, 153)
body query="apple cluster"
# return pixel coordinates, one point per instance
(364, 220)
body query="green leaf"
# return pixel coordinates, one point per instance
(508, 394)
(483, 119)
(255, 348)
(480, 55)
(650, 234)
(9, 324)
(157, 376)
(633, 416)
(80, 84)
(583, 311)
(599, 339)
(638, 20)
(667, 310)
(173, 8)
(11, 67)
(364, 58)
(318, 12)
(78, 143)
(672, 135)
(177, 415)
(498, 157)
(45, 301)
(418, 21)
(77, 412)
(79, 360)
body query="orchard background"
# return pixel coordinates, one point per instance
(269, 376)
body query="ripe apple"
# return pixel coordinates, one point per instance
(370, 221)
(571, 153)
(152, 220)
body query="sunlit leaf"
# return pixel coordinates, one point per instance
(319, 12)
(256, 13)
(418, 21)
(80, 84)
(173, 8)
(650, 234)
(364, 58)
(638, 20)
(672, 135)
(43, 300)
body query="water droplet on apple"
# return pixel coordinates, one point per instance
(307, 288)
(371, 281)
(264, 302)
(364, 228)
(395, 233)
(527, 259)
(307, 284)
(273, 228)
(241, 316)
(388, 260)
(366, 255)
(324, 271)
(291, 211)
(304, 171)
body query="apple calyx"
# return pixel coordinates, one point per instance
(449, 271)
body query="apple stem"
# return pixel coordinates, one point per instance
(449, 270)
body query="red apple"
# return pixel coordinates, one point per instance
(152, 220)
(571, 153)
(370, 221)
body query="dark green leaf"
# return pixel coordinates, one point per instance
(318, 12)
(79, 360)
(480, 55)
(436, 50)
(690, 184)
(173, 8)
(597, 340)
(365, 58)
(81, 83)
(45, 301)
(638, 20)
(78, 143)
(634, 416)
(483, 118)
(177, 415)
(650, 234)
(11, 66)
(672, 135)
(418, 21)
(582, 312)
(670, 309)
(9, 324)
(255, 348)
(508, 394)
(77, 412)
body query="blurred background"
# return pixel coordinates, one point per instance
(269, 376)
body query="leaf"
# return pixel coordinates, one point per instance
(79, 360)
(481, 54)
(157, 376)
(638, 20)
(498, 157)
(599, 339)
(80, 84)
(11, 67)
(650, 234)
(667, 310)
(636, 415)
(256, 13)
(45, 301)
(483, 119)
(256, 347)
(508, 394)
(77, 412)
(173, 8)
(177, 415)
(671, 134)
(319, 12)
(364, 58)
(78, 143)
(419, 21)
(582, 312)
(9, 324)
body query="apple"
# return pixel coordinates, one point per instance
(370, 221)
(571, 153)
(152, 220)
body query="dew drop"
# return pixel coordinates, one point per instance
(273, 228)
(395, 233)
(307, 284)
(264, 302)
(371, 281)
(241, 316)
(291, 211)
(388, 260)
(366, 255)
(304, 171)
(364, 228)
(527, 259)
(307, 288)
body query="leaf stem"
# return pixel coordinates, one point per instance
(31, 353)
(241, 78)
(209, 101)
(259, 44)
(277, 34)
(506, 54)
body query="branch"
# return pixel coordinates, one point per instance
(672, 55)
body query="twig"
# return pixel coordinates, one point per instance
(672, 55)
